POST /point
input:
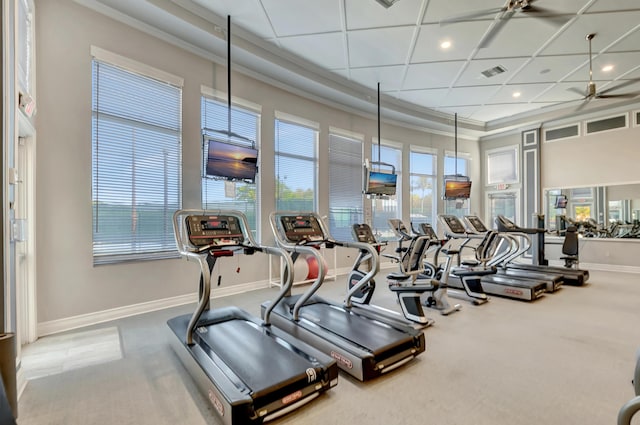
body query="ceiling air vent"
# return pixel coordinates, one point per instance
(492, 72)
(605, 124)
(561, 133)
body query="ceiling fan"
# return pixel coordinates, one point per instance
(591, 92)
(504, 13)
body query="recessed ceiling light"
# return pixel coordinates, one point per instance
(445, 44)
(516, 94)
(607, 68)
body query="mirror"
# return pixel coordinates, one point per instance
(611, 211)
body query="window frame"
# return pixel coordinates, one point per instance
(300, 122)
(434, 177)
(515, 149)
(130, 250)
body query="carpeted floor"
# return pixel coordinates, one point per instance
(564, 359)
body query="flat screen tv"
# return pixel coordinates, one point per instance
(561, 201)
(379, 183)
(457, 189)
(228, 161)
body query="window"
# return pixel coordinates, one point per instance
(136, 164)
(24, 44)
(502, 165)
(345, 185)
(503, 203)
(384, 209)
(456, 165)
(423, 183)
(218, 194)
(296, 166)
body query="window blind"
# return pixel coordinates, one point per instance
(295, 166)
(24, 44)
(345, 185)
(502, 166)
(218, 194)
(423, 178)
(136, 164)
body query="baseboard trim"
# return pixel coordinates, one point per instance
(83, 320)
(80, 321)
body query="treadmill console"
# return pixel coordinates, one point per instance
(399, 228)
(363, 233)
(214, 230)
(454, 224)
(477, 224)
(302, 228)
(505, 225)
(427, 230)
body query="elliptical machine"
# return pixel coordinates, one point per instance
(408, 299)
(410, 259)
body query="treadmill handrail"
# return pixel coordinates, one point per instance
(326, 239)
(374, 268)
(200, 254)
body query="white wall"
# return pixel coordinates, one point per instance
(68, 284)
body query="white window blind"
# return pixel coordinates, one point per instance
(217, 194)
(502, 166)
(345, 185)
(422, 191)
(136, 164)
(296, 166)
(24, 44)
(459, 164)
(384, 209)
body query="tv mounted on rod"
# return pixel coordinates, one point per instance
(380, 183)
(230, 161)
(457, 187)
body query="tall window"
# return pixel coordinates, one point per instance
(345, 185)
(503, 203)
(136, 176)
(218, 194)
(296, 166)
(384, 209)
(423, 180)
(457, 207)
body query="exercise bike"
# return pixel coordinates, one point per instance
(410, 261)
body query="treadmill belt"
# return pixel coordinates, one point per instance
(368, 334)
(258, 360)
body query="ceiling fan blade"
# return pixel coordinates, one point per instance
(576, 91)
(583, 104)
(619, 86)
(471, 15)
(617, 96)
(495, 29)
(547, 15)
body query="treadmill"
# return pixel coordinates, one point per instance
(495, 284)
(363, 346)
(575, 277)
(552, 279)
(250, 371)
